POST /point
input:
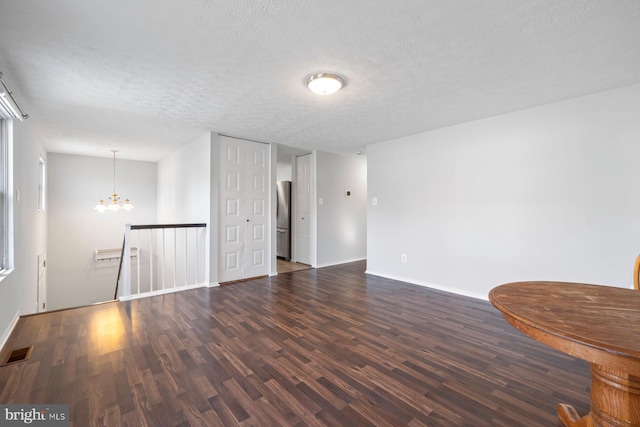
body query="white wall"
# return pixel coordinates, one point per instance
(18, 291)
(188, 191)
(341, 219)
(76, 230)
(284, 172)
(549, 193)
(214, 212)
(183, 183)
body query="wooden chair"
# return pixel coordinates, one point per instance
(636, 274)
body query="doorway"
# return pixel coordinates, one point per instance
(287, 160)
(42, 282)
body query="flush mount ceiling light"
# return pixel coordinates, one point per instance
(324, 83)
(114, 203)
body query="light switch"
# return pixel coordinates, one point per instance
(321, 201)
(374, 201)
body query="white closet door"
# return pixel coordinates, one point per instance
(232, 207)
(243, 209)
(303, 209)
(256, 209)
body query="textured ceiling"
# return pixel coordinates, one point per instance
(147, 76)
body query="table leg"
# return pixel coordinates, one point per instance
(615, 401)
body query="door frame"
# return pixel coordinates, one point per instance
(41, 285)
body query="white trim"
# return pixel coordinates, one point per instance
(432, 286)
(162, 292)
(314, 208)
(5, 273)
(6, 186)
(345, 261)
(213, 284)
(9, 330)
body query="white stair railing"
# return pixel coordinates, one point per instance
(170, 258)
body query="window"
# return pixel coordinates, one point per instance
(6, 246)
(42, 185)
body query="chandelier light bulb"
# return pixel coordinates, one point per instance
(100, 207)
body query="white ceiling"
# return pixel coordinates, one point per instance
(147, 76)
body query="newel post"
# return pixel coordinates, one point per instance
(126, 262)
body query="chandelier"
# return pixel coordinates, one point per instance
(113, 203)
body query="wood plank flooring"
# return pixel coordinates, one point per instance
(288, 266)
(331, 346)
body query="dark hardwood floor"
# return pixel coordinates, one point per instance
(317, 347)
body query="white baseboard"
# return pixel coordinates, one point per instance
(213, 284)
(7, 333)
(432, 286)
(346, 261)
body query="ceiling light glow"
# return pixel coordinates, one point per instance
(324, 83)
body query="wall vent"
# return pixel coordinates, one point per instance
(18, 355)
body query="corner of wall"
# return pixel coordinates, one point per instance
(7, 332)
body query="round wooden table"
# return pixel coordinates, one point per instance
(599, 324)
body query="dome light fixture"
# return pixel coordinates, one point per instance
(325, 83)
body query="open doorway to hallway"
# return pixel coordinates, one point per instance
(287, 240)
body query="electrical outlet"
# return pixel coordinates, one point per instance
(374, 201)
(403, 257)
